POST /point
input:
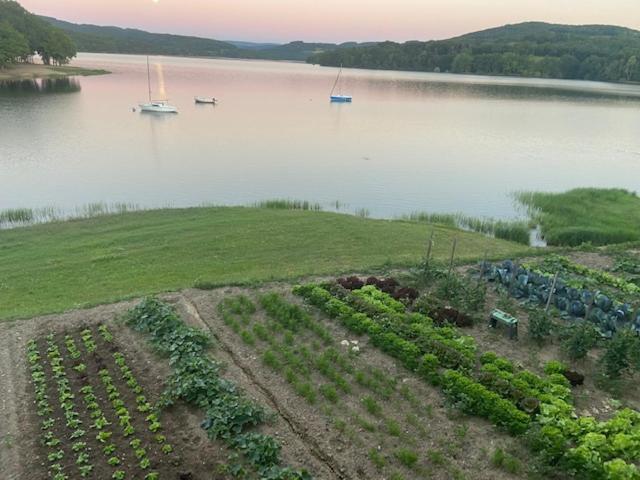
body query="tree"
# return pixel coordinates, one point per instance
(13, 45)
(462, 63)
(57, 47)
(632, 68)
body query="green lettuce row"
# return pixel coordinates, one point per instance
(500, 375)
(406, 336)
(584, 445)
(196, 380)
(379, 299)
(472, 397)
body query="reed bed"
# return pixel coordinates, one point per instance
(585, 215)
(288, 204)
(514, 230)
(18, 217)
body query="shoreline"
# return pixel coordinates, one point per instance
(38, 71)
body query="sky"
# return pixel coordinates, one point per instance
(333, 20)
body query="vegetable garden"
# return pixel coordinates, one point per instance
(347, 379)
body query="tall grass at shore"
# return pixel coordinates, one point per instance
(585, 215)
(15, 217)
(288, 204)
(515, 230)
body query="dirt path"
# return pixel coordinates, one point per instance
(13, 444)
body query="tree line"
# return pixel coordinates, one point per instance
(23, 34)
(533, 49)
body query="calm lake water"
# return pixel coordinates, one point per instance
(409, 141)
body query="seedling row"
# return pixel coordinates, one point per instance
(95, 419)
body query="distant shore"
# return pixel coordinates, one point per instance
(33, 71)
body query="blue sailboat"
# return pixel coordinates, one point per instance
(339, 98)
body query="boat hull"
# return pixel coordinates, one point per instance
(341, 98)
(158, 108)
(210, 101)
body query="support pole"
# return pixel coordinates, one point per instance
(453, 254)
(553, 289)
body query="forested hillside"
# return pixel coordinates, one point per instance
(94, 38)
(302, 50)
(23, 34)
(533, 49)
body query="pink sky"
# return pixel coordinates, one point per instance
(333, 20)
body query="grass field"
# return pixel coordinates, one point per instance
(64, 265)
(599, 216)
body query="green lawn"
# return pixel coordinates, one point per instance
(60, 266)
(599, 216)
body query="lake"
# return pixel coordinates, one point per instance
(408, 142)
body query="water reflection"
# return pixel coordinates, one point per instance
(452, 89)
(410, 141)
(39, 86)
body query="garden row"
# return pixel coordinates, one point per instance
(196, 380)
(578, 445)
(553, 263)
(87, 430)
(572, 298)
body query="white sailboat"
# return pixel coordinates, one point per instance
(156, 106)
(339, 98)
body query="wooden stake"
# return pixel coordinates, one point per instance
(453, 253)
(484, 262)
(553, 288)
(429, 247)
(514, 277)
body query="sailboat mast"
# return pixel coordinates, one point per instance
(337, 78)
(149, 78)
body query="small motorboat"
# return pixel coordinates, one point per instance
(158, 107)
(208, 100)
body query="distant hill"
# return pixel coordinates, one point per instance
(302, 50)
(101, 39)
(94, 38)
(252, 45)
(532, 49)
